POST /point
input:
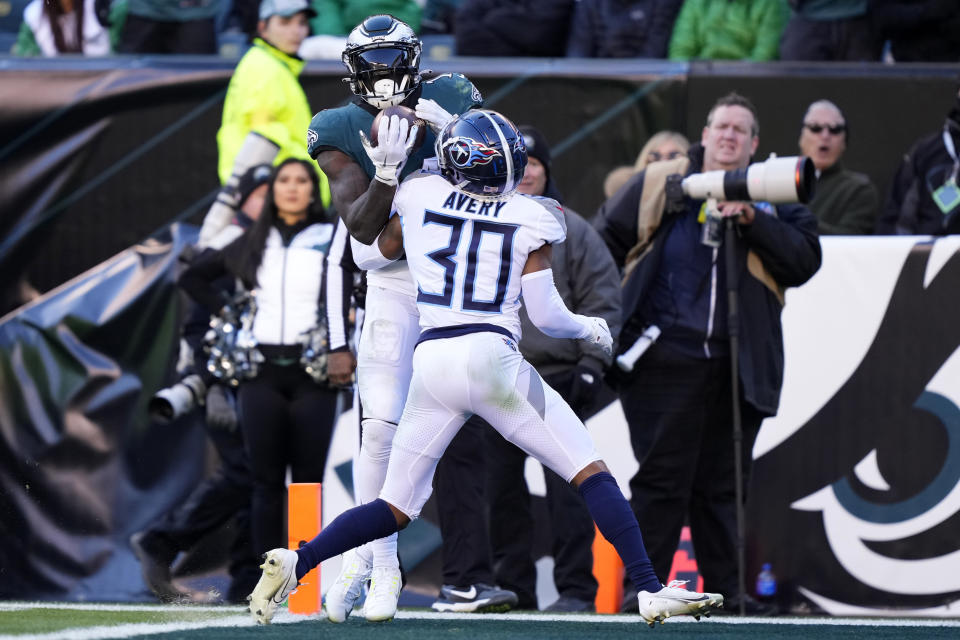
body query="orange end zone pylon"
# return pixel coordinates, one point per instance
(303, 523)
(608, 570)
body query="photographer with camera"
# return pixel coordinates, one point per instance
(678, 396)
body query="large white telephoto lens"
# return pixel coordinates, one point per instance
(777, 180)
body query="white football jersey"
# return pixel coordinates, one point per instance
(467, 255)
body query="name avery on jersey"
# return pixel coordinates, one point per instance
(456, 201)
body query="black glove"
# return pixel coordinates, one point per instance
(585, 386)
(221, 411)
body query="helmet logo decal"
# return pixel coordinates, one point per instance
(467, 152)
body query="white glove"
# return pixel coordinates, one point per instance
(599, 334)
(433, 114)
(395, 139)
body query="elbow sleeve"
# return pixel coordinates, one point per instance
(546, 308)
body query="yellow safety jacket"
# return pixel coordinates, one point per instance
(265, 97)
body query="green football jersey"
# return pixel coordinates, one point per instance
(340, 128)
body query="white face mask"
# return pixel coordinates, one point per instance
(388, 94)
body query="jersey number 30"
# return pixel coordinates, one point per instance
(443, 257)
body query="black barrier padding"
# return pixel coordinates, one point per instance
(81, 465)
(92, 139)
(595, 114)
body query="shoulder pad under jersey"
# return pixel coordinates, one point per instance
(552, 223)
(455, 90)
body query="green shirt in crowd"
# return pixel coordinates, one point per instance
(339, 17)
(728, 30)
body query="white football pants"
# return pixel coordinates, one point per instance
(384, 367)
(483, 374)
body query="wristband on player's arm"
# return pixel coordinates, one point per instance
(256, 150)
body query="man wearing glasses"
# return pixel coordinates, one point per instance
(844, 202)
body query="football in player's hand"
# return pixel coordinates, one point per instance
(407, 114)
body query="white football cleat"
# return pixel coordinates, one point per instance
(381, 603)
(347, 588)
(278, 581)
(671, 600)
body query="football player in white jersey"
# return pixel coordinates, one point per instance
(382, 55)
(473, 246)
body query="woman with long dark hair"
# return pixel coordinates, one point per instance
(287, 418)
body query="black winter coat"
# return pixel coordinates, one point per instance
(622, 28)
(788, 246)
(513, 28)
(910, 208)
(919, 30)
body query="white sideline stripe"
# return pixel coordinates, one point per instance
(132, 630)
(97, 606)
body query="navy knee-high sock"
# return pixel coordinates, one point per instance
(618, 525)
(349, 530)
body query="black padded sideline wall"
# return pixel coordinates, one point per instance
(95, 155)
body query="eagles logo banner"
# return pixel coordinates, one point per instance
(855, 495)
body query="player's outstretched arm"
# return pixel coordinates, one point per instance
(547, 310)
(363, 204)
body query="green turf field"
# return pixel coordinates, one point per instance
(56, 621)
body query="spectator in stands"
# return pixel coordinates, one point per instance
(265, 113)
(678, 397)
(831, 30)
(919, 30)
(339, 17)
(728, 30)
(924, 198)
(588, 282)
(244, 16)
(170, 26)
(336, 18)
(56, 27)
(664, 145)
(617, 29)
(288, 415)
(844, 202)
(517, 28)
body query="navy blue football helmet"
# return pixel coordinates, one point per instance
(383, 57)
(482, 153)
